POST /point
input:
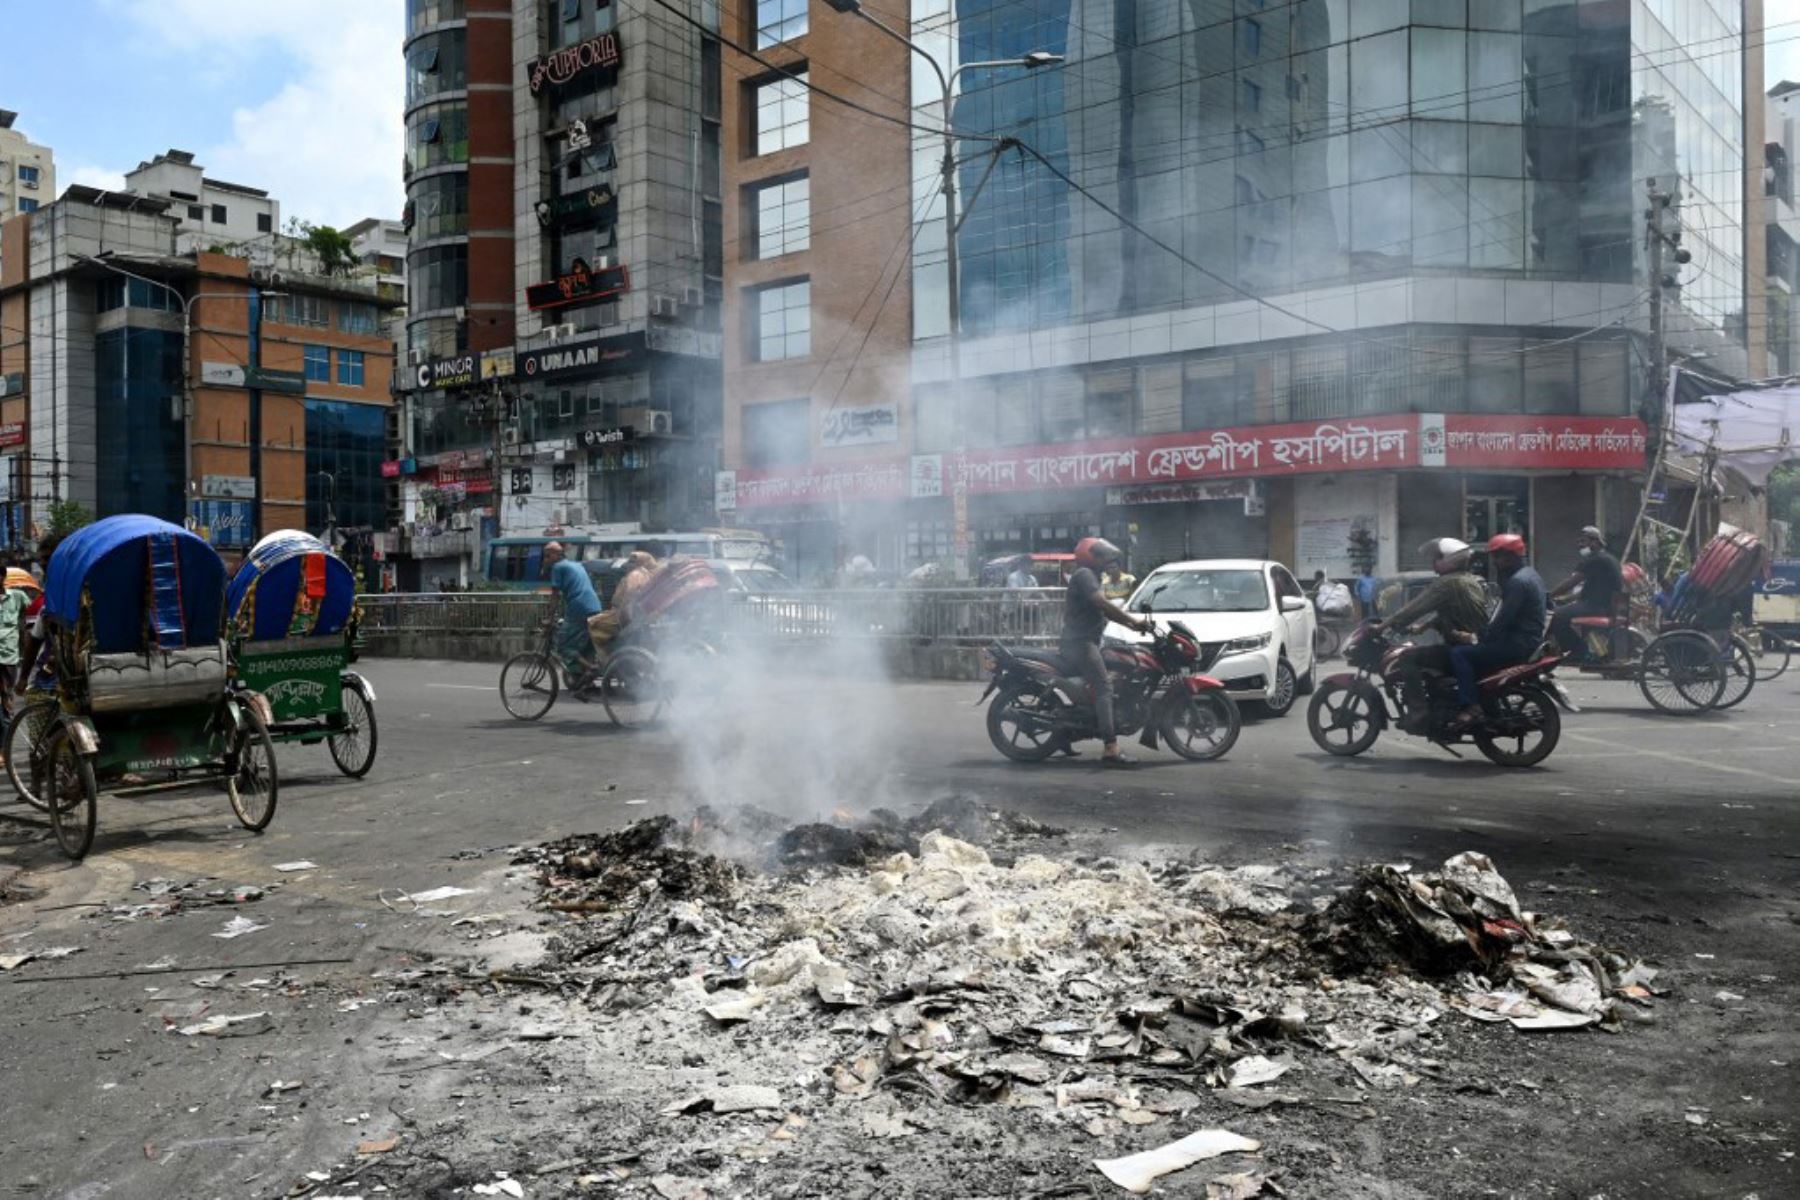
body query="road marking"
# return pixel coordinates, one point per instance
(466, 687)
(1687, 761)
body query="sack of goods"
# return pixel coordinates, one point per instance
(1726, 566)
(1332, 600)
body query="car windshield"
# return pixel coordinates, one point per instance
(759, 583)
(1235, 590)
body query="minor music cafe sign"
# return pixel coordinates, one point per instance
(597, 205)
(597, 57)
(581, 284)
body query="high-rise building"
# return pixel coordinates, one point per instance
(1781, 216)
(1313, 279)
(144, 373)
(27, 170)
(600, 405)
(818, 287)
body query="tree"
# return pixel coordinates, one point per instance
(1784, 494)
(66, 516)
(333, 250)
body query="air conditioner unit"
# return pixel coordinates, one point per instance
(509, 435)
(416, 357)
(693, 297)
(664, 307)
(657, 420)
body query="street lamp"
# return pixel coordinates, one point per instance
(946, 82)
(187, 357)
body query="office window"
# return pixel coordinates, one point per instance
(779, 21)
(196, 212)
(318, 364)
(1252, 38)
(27, 205)
(777, 434)
(28, 176)
(782, 212)
(783, 321)
(355, 317)
(265, 223)
(1252, 96)
(781, 114)
(345, 446)
(299, 309)
(350, 368)
(218, 214)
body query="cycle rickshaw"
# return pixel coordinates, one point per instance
(293, 615)
(142, 697)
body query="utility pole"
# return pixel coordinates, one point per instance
(1659, 240)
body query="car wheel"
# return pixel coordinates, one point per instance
(1280, 699)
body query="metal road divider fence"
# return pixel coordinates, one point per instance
(485, 625)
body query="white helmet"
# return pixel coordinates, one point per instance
(1447, 555)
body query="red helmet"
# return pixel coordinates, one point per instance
(1094, 553)
(1510, 543)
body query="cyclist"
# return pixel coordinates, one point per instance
(579, 602)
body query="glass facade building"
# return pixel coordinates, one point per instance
(348, 443)
(138, 464)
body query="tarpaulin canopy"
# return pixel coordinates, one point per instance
(291, 583)
(149, 583)
(1752, 431)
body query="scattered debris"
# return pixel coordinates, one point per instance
(501, 1187)
(744, 1097)
(12, 962)
(447, 892)
(1137, 1172)
(1254, 1069)
(381, 1146)
(238, 927)
(245, 1025)
(302, 865)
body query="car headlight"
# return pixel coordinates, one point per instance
(1244, 645)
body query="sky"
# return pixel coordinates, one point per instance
(302, 98)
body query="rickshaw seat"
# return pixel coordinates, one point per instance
(1591, 622)
(132, 682)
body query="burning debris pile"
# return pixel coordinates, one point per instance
(919, 970)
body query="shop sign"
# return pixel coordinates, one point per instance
(562, 477)
(9, 467)
(446, 372)
(581, 284)
(291, 383)
(579, 137)
(224, 523)
(497, 364)
(228, 487)
(12, 433)
(599, 54)
(1182, 493)
(1472, 440)
(390, 469)
(593, 206)
(520, 481)
(594, 439)
(926, 472)
(218, 374)
(866, 426)
(588, 356)
(12, 383)
(724, 491)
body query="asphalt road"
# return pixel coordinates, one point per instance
(1680, 837)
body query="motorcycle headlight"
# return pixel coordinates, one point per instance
(1245, 645)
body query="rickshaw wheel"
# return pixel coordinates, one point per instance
(20, 751)
(631, 687)
(354, 749)
(528, 685)
(1682, 673)
(71, 794)
(252, 784)
(1740, 673)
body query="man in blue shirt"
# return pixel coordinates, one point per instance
(579, 602)
(1513, 634)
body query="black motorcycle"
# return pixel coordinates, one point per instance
(1159, 687)
(1519, 727)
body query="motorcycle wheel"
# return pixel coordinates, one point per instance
(1522, 729)
(1017, 738)
(1342, 720)
(1204, 727)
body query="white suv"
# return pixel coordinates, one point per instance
(1255, 610)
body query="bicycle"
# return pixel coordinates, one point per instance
(1771, 650)
(530, 682)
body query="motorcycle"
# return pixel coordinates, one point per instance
(1519, 727)
(1158, 687)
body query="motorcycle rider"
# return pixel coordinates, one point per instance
(1457, 605)
(1600, 579)
(1511, 637)
(1086, 610)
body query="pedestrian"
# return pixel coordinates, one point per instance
(1118, 583)
(20, 590)
(1021, 576)
(1367, 587)
(1086, 610)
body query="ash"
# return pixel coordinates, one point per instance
(759, 1006)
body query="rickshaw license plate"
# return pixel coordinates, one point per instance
(298, 684)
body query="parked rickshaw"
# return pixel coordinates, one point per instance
(292, 615)
(142, 697)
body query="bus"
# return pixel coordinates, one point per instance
(517, 560)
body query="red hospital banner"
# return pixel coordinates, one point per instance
(1539, 443)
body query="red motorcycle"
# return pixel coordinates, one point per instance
(1158, 687)
(1519, 727)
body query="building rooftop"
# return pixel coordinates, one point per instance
(1783, 88)
(7, 117)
